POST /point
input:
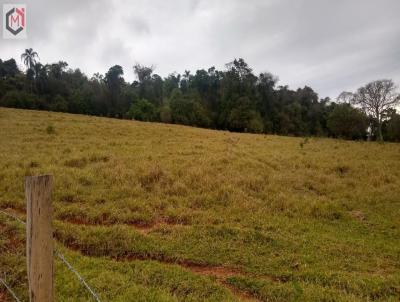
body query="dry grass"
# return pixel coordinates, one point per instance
(300, 220)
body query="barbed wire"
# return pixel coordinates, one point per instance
(13, 216)
(62, 258)
(71, 268)
(10, 290)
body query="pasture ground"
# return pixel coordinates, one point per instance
(157, 212)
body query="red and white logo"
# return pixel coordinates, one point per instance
(14, 21)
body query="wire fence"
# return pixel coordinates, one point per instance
(9, 290)
(13, 216)
(61, 257)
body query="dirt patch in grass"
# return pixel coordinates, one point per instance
(359, 215)
(99, 158)
(242, 295)
(76, 163)
(220, 273)
(13, 244)
(3, 297)
(143, 227)
(342, 170)
(14, 211)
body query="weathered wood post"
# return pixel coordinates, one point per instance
(39, 231)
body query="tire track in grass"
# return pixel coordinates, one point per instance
(220, 273)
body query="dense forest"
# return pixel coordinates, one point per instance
(233, 99)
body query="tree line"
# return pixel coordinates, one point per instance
(232, 99)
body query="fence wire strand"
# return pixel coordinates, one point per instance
(13, 216)
(71, 268)
(62, 258)
(10, 290)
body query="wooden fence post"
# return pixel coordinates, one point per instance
(39, 231)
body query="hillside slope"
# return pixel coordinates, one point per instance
(156, 212)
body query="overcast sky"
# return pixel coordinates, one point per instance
(330, 45)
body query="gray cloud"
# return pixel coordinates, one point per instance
(328, 45)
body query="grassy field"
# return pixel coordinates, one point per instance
(156, 212)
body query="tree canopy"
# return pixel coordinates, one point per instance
(234, 99)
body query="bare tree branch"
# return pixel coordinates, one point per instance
(376, 98)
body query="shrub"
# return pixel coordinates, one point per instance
(165, 114)
(50, 129)
(187, 110)
(21, 99)
(244, 118)
(347, 122)
(59, 104)
(256, 124)
(391, 128)
(142, 110)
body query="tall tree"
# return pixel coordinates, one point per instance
(345, 97)
(143, 73)
(114, 81)
(8, 68)
(29, 58)
(376, 98)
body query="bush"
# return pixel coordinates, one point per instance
(50, 129)
(142, 110)
(59, 104)
(165, 114)
(256, 124)
(391, 128)
(188, 111)
(21, 99)
(347, 122)
(243, 117)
